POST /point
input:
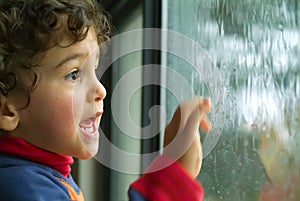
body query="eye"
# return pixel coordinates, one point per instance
(73, 76)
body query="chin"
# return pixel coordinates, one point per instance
(87, 153)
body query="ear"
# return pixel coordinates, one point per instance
(9, 117)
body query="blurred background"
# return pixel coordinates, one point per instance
(254, 45)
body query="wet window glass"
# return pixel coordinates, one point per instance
(245, 55)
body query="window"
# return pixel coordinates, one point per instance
(248, 63)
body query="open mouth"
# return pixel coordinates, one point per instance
(88, 127)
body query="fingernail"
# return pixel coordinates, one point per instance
(207, 104)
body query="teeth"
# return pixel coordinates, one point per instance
(88, 130)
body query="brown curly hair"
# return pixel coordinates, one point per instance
(27, 28)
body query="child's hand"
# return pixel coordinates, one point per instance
(182, 138)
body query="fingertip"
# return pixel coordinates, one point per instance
(205, 124)
(205, 105)
(207, 102)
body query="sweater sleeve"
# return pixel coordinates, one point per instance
(166, 180)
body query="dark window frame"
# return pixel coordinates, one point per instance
(152, 12)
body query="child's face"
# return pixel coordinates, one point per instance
(66, 107)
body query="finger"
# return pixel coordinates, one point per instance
(181, 141)
(184, 111)
(205, 105)
(192, 123)
(197, 106)
(205, 124)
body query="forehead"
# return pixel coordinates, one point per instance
(53, 56)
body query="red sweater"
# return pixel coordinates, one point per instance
(169, 183)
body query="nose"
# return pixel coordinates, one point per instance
(98, 92)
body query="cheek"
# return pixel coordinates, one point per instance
(55, 109)
(77, 107)
(56, 112)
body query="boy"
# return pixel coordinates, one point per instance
(52, 102)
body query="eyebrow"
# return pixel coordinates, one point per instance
(69, 58)
(73, 57)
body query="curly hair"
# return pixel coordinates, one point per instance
(27, 28)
